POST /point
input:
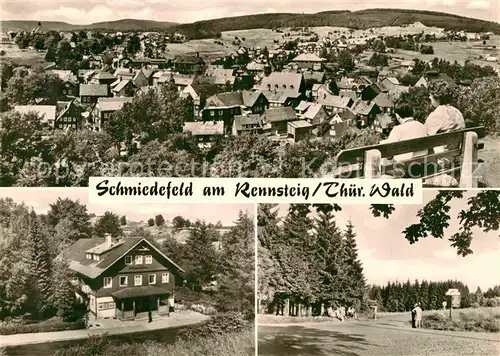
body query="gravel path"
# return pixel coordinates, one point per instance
(371, 338)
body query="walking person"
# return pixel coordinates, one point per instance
(342, 313)
(418, 316)
(413, 315)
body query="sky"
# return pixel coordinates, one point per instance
(387, 256)
(185, 11)
(40, 199)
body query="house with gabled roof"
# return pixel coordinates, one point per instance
(123, 278)
(205, 131)
(333, 103)
(105, 107)
(365, 112)
(385, 102)
(68, 115)
(103, 78)
(276, 119)
(124, 88)
(315, 114)
(225, 106)
(249, 125)
(309, 61)
(89, 93)
(189, 64)
(281, 81)
(432, 76)
(298, 130)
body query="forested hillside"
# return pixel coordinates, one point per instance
(210, 28)
(358, 20)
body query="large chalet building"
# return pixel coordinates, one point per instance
(123, 279)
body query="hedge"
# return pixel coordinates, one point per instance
(48, 326)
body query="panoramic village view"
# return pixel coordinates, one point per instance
(270, 95)
(381, 280)
(81, 279)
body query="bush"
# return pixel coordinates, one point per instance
(217, 325)
(469, 321)
(47, 326)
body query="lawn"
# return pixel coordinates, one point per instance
(209, 50)
(22, 57)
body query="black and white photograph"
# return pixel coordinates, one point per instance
(278, 89)
(381, 279)
(86, 279)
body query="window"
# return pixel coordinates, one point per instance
(152, 279)
(149, 259)
(212, 113)
(88, 256)
(221, 112)
(138, 280)
(106, 306)
(138, 259)
(108, 282)
(128, 260)
(165, 277)
(123, 281)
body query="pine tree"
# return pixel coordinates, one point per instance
(295, 255)
(329, 260)
(237, 277)
(424, 295)
(355, 282)
(64, 291)
(201, 257)
(432, 298)
(268, 269)
(40, 268)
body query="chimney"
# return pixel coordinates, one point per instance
(108, 239)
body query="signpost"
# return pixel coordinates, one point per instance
(454, 295)
(444, 305)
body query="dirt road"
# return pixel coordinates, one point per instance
(367, 337)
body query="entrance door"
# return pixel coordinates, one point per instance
(144, 304)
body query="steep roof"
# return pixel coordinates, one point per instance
(282, 80)
(312, 111)
(104, 76)
(280, 96)
(362, 107)
(46, 113)
(112, 104)
(76, 255)
(286, 113)
(235, 98)
(200, 128)
(300, 124)
(303, 105)
(334, 101)
(383, 100)
(120, 86)
(240, 121)
(316, 76)
(143, 291)
(308, 57)
(93, 90)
